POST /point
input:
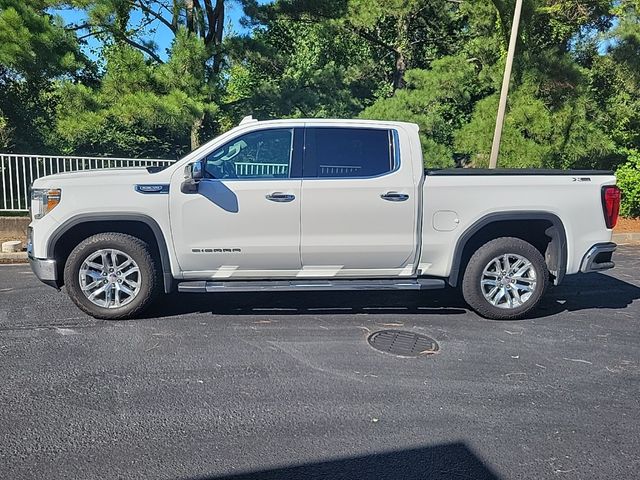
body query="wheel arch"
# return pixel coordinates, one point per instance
(531, 226)
(73, 231)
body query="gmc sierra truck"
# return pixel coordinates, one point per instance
(298, 205)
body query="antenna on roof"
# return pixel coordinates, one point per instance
(248, 119)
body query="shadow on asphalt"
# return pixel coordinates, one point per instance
(440, 462)
(588, 292)
(310, 303)
(578, 292)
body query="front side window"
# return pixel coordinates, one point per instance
(262, 154)
(347, 152)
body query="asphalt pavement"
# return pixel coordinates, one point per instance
(285, 386)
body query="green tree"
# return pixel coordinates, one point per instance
(439, 100)
(196, 55)
(140, 109)
(299, 69)
(35, 50)
(552, 120)
(628, 176)
(536, 133)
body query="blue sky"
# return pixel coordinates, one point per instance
(162, 36)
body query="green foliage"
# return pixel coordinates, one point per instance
(33, 43)
(525, 135)
(438, 100)
(5, 132)
(35, 50)
(300, 69)
(628, 176)
(566, 18)
(537, 134)
(614, 79)
(140, 109)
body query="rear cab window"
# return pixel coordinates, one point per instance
(344, 152)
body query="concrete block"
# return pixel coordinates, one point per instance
(14, 227)
(11, 246)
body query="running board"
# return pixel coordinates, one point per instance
(210, 286)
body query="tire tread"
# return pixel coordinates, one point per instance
(129, 244)
(470, 282)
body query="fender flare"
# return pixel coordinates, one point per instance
(558, 234)
(76, 220)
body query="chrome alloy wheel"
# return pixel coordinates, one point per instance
(110, 278)
(508, 281)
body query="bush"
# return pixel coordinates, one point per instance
(628, 176)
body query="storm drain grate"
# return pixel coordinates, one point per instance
(404, 344)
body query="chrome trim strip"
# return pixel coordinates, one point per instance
(316, 285)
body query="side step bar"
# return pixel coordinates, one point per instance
(210, 286)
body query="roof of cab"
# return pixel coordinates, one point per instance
(323, 121)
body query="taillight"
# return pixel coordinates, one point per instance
(611, 204)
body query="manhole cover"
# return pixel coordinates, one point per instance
(404, 344)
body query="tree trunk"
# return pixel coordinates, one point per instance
(402, 49)
(189, 7)
(216, 28)
(195, 131)
(398, 73)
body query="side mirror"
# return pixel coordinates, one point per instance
(193, 173)
(197, 171)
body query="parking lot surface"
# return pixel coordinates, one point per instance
(282, 386)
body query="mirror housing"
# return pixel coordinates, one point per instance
(193, 173)
(197, 171)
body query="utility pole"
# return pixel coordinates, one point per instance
(497, 134)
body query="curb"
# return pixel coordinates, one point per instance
(626, 238)
(16, 257)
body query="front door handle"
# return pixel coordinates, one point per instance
(280, 197)
(394, 196)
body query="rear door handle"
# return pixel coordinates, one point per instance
(394, 196)
(280, 197)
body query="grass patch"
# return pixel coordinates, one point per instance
(13, 213)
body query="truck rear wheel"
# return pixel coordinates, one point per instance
(505, 279)
(112, 276)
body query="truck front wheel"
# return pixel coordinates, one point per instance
(112, 276)
(505, 279)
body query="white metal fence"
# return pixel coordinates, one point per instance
(17, 172)
(244, 169)
(336, 170)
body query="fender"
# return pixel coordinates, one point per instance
(557, 234)
(118, 217)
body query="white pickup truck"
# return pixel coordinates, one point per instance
(314, 205)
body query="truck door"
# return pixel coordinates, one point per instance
(359, 203)
(244, 221)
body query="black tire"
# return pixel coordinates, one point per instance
(471, 283)
(135, 248)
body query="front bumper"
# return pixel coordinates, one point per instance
(598, 258)
(46, 270)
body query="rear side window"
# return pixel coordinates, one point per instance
(347, 152)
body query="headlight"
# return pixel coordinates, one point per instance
(43, 200)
